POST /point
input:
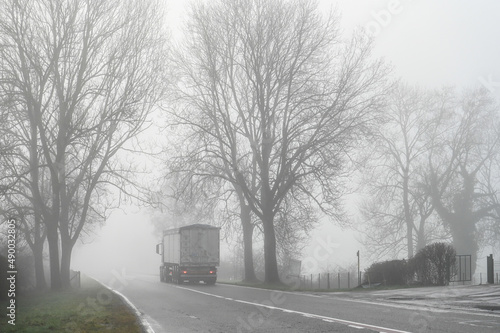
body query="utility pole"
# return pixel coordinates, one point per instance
(359, 272)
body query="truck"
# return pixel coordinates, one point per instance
(190, 253)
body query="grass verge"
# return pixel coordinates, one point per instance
(92, 308)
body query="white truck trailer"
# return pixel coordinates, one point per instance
(190, 253)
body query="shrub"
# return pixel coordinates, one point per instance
(393, 272)
(433, 264)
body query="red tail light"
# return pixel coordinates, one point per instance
(184, 272)
(211, 272)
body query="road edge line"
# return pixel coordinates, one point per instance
(304, 314)
(145, 326)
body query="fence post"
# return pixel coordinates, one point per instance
(319, 280)
(338, 280)
(328, 281)
(311, 281)
(489, 264)
(348, 280)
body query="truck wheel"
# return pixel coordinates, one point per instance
(211, 281)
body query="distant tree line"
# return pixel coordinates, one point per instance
(434, 173)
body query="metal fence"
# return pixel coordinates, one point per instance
(462, 271)
(338, 280)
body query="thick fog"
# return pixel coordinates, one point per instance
(428, 43)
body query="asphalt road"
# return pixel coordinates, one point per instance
(227, 308)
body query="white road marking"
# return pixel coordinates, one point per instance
(358, 327)
(304, 314)
(480, 323)
(425, 308)
(281, 291)
(138, 314)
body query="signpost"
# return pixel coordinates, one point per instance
(359, 272)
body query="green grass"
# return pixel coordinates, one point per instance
(93, 308)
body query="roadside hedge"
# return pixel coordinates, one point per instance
(393, 272)
(433, 264)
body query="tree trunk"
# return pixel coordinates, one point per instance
(407, 212)
(271, 262)
(460, 221)
(38, 205)
(66, 248)
(39, 270)
(409, 238)
(53, 241)
(463, 224)
(248, 228)
(463, 232)
(421, 235)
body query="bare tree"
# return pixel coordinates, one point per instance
(281, 100)
(399, 207)
(464, 142)
(491, 227)
(84, 76)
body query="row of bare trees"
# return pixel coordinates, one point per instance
(270, 101)
(434, 172)
(77, 82)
